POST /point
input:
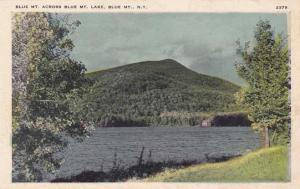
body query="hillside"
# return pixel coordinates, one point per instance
(264, 165)
(157, 93)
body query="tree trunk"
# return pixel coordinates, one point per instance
(265, 138)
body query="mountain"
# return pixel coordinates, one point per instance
(156, 93)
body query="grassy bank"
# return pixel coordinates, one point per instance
(262, 165)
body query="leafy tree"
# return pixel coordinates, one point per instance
(47, 88)
(265, 69)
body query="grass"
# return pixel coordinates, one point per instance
(264, 165)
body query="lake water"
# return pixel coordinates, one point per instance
(166, 143)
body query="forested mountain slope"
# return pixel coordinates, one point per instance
(156, 93)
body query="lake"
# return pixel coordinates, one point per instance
(166, 143)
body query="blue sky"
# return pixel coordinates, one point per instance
(203, 42)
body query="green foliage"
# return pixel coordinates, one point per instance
(46, 82)
(265, 69)
(264, 165)
(145, 93)
(230, 119)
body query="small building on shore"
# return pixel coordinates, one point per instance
(206, 123)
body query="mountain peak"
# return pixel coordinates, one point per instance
(168, 60)
(169, 69)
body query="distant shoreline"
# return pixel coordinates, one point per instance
(220, 119)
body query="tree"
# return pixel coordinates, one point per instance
(265, 69)
(47, 89)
